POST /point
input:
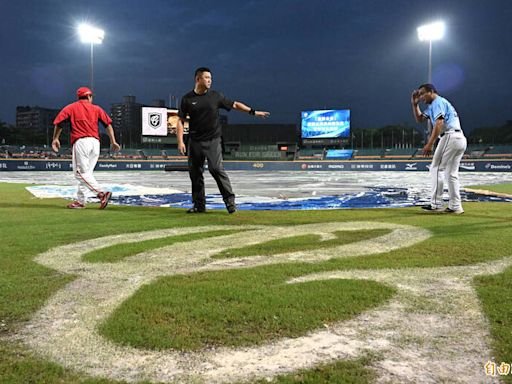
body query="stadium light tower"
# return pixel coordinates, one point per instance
(91, 35)
(431, 32)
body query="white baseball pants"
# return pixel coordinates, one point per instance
(445, 163)
(86, 151)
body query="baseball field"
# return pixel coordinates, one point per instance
(152, 295)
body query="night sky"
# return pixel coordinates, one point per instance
(283, 56)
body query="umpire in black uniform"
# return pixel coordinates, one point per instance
(201, 107)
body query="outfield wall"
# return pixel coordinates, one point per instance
(480, 165)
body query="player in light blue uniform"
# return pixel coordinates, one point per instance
(449, 150)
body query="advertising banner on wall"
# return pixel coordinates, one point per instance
(161, 122)
(154, 121)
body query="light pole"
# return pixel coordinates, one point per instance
(171, 98)
(91, 35)
(431, 32)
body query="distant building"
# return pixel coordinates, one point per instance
(127, 120)
(36, 124)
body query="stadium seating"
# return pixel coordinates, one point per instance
(267, 151)
(310, 154)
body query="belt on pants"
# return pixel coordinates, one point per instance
(444, 133)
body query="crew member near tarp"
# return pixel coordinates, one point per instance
(85, 139)
(201, 107)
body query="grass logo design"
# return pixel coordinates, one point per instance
(433, 315)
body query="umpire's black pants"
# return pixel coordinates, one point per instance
(210, 150)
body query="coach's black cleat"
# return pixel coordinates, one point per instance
(196, 210)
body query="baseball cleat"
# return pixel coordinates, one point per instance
(429, 208)
(104, 199)
(231, 208)
(230, 204)
(196, 210)
(75, 205)
(454, 211)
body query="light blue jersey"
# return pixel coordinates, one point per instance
(442, 107)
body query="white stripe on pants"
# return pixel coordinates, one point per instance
(85, 156)
(445, 162)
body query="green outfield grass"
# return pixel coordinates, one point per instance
(235, 307)
(346, 372)
(494, 292)
(500, 188)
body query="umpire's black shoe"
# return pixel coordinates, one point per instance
(231, 208)
(196, 210)
(230, 205)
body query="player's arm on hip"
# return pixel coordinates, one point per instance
(436, 131)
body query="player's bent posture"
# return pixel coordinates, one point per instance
(449, 150)
(201, 107)
(85, 139)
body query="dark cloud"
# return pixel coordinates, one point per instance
(284, 55)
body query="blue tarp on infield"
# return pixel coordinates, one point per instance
(375, 198)
(363, 197)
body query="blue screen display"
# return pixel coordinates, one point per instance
(326, 124)
(339, 154)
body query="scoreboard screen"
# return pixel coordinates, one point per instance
(326, 124)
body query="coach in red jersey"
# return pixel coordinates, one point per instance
(85, 139)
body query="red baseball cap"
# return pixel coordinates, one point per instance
(83, 91)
